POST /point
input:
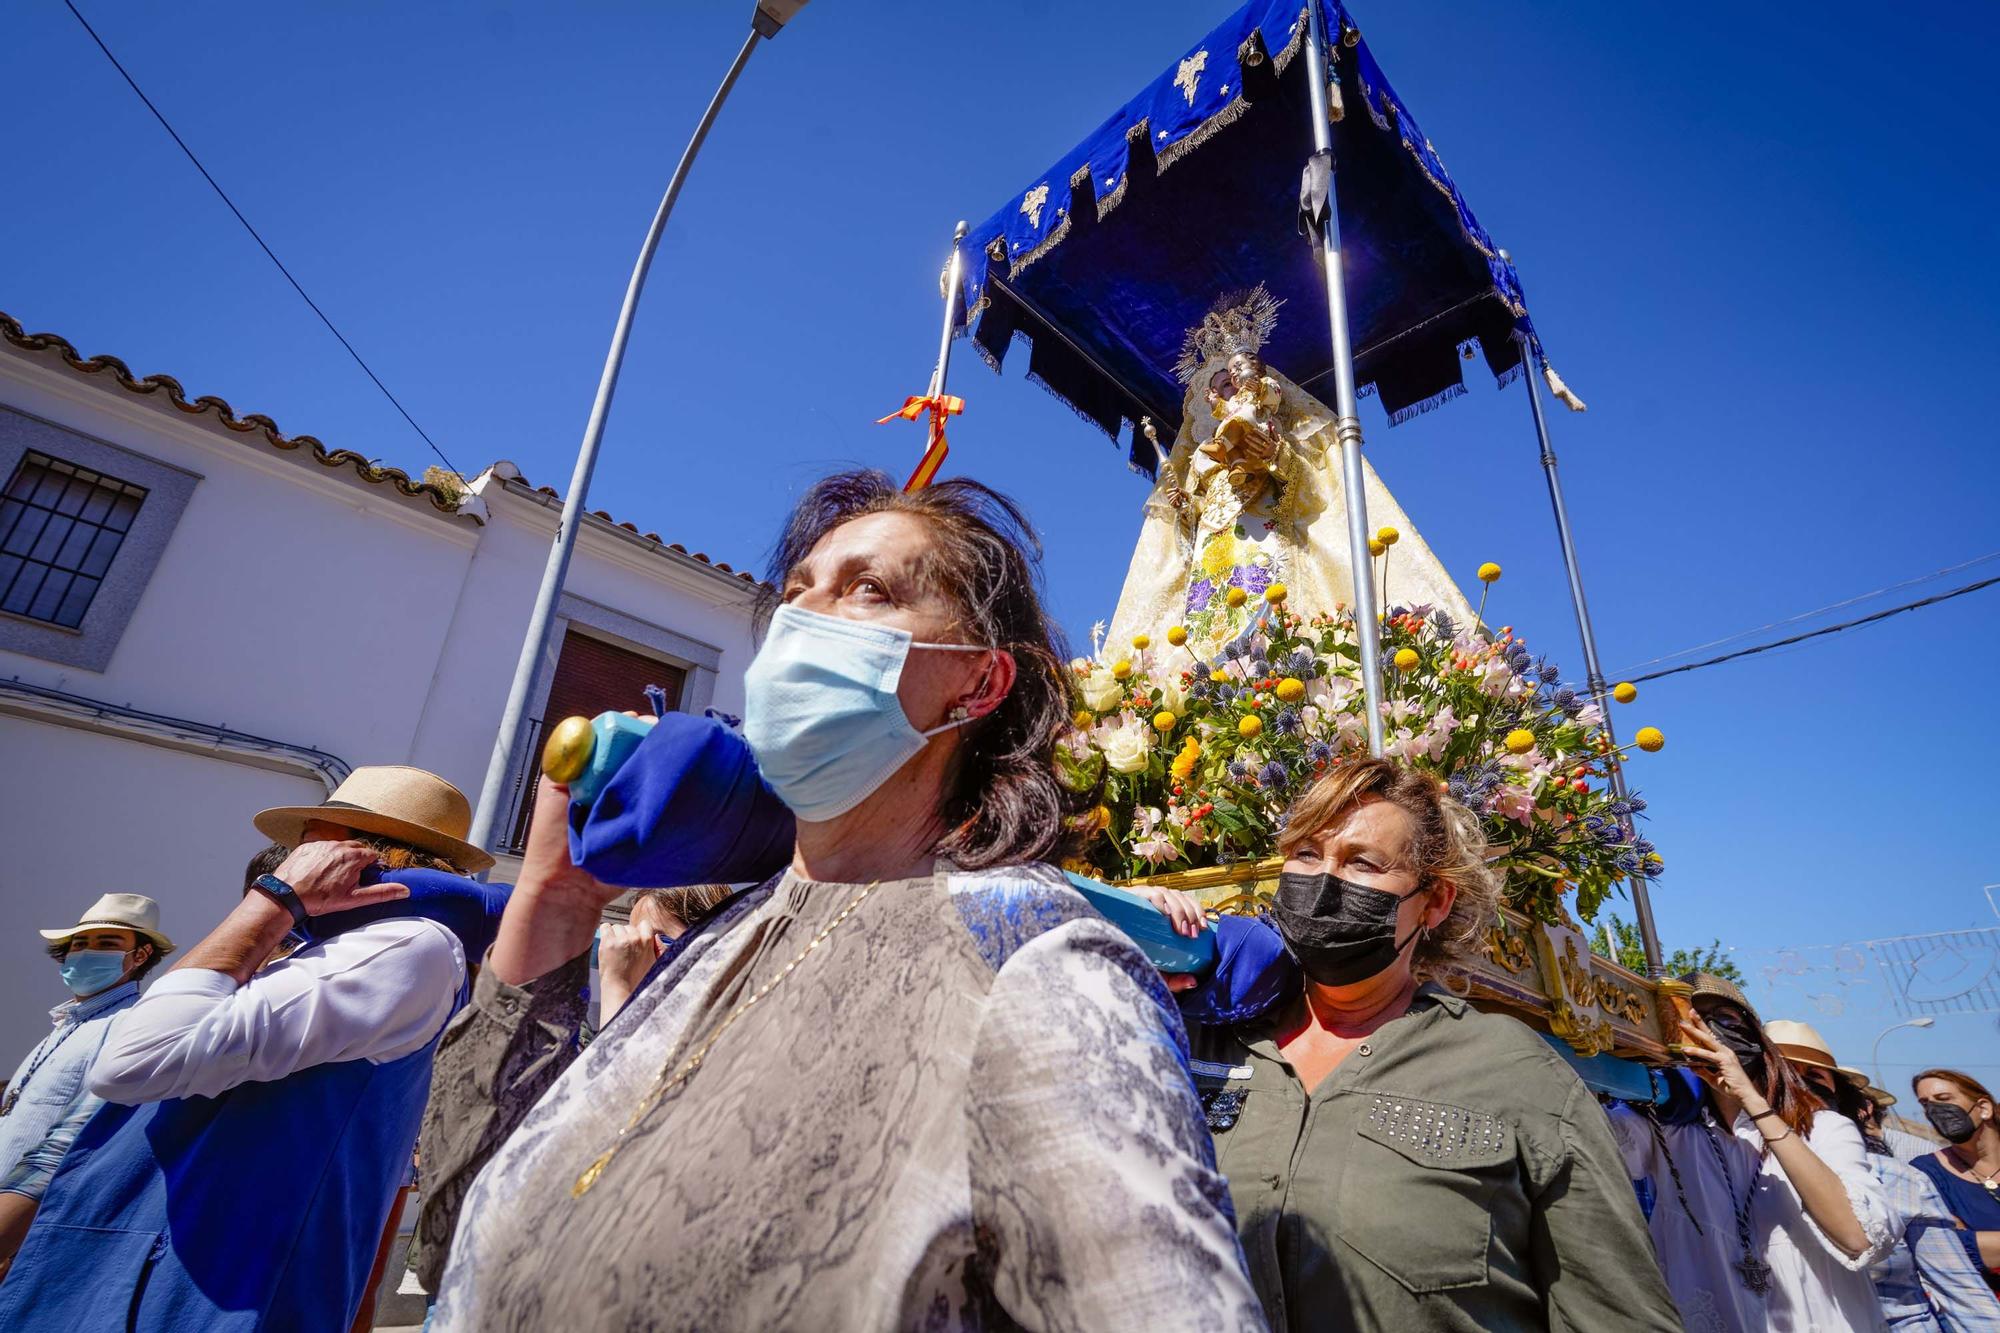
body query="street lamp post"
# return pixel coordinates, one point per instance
(1875, 1053)
(765, 22)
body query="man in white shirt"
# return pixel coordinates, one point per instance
(263, 1116)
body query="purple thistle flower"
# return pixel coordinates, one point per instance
(1621, 809)
(1637, 803)
(1549, 672)
(1302, 664)
(1444, 625)
(1287, 721)
(1239, 769)
(1274, 775)
(1322, 753)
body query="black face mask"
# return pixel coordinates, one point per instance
(1340, 932)
(1955, 1123)
(1742, 1043)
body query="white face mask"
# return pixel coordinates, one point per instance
(821, 714)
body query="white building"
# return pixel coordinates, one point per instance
(200, 617)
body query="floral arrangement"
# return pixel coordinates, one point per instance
(1199, 761)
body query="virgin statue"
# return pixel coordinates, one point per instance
(1250, 496)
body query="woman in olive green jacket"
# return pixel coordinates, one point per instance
(1398, 1159)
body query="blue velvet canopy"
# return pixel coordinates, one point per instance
(1190, 191)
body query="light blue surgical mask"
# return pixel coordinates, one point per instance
(88, 971)
(821, 714)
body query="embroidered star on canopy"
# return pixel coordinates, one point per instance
(1031, 204)
(1189, 74)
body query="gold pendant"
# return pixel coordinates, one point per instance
(591, 1173)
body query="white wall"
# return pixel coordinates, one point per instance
(87, 814)
(296, 602)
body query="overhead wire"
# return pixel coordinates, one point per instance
(1820, 611)
(1754, 649)
(261, 244)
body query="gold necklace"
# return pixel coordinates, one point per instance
(666, 1082)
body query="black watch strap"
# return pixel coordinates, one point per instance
(282, 894)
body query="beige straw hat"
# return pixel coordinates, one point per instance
(1800, 1044)
(1722, 988)
(119, 911)
(401, 803)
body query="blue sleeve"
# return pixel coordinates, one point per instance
(1253, 972)
(31, 1175)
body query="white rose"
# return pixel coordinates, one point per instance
(1126, 748)
(1101, 690)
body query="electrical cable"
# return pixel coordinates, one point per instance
(1820, 611)
(1817, 633)
(224, 196)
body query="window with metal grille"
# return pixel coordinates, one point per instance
(60, 527)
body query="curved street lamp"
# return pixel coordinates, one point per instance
(1875, 1054)
(765, 22)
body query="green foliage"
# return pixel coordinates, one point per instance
(1625, 949)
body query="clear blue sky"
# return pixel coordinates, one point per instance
(1760, 245)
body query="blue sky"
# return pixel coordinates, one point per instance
(1761, 248)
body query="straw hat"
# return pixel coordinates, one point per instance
(1707, 983)
(1800, 1044)
(119, 911)
(401, 803)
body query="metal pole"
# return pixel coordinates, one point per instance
(1348, 427)
(542, 619)
(1642, 903)
(951, 272)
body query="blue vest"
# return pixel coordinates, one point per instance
(258, 1209)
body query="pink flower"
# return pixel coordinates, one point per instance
(1515, 803)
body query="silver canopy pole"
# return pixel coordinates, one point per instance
(951, 273)
(1348, 428)
(541, 621)
(1642, 903)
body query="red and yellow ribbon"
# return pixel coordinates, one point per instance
(939, 406)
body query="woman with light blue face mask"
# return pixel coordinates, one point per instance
(912, 1079)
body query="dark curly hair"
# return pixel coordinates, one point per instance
(1005, 804)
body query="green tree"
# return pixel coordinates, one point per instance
(1619, 941)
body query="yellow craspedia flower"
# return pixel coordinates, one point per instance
(1489, 572)
(1141, 642)
(1376, 546)
(1217, 677)
(1236, 597)
(1250, 728)
(1519, 741)
(1083, 718)
(1291, 689)
(1122, 668)
(1163, 721)
(1649, 739)
(1387, 536)
(1407, 659)
(1177, 635)
(1624, 691)
(1276, 593)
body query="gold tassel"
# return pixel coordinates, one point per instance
(1561, 390)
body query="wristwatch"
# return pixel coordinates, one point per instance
(283, 894)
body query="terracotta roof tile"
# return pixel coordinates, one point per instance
(208, 405)
(653, 537)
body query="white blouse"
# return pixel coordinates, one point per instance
(1815, 1286)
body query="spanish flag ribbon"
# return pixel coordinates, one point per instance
(940, 406)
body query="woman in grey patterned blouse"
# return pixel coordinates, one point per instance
(913, 1082)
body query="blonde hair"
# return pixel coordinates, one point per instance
(1446, 846)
